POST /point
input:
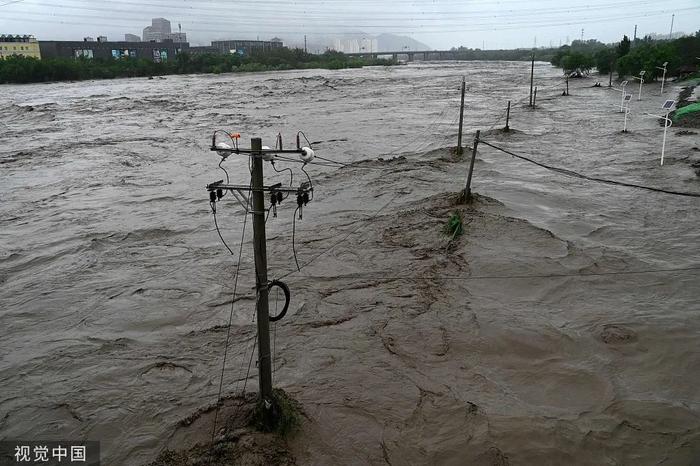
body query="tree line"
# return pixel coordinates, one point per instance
(20, 69)
(628, 58)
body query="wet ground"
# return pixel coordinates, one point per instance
(401, 345)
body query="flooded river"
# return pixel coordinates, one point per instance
(401, 346)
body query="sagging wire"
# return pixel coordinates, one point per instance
(294, 230)
(573, 174)
(233, 301)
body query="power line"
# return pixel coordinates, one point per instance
(341, 240)
(571, 173)
(380, 276)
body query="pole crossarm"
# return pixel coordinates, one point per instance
(243, 187)
(256, 152)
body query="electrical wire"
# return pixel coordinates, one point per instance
(341, 240)
(380, 276)
(573, 174)
(294, 248)
(233, 301)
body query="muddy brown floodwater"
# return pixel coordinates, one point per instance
(403, 348)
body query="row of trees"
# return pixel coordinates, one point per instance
(29, 70)
(629, 59)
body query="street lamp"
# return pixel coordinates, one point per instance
(622, 103)
(641, 81)
(663, 79)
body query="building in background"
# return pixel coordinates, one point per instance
(157, 31)
(157, 52)
(131, 38)
(245, 47)
(160, 30)
(19, 45)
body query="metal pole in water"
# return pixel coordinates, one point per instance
(468, 189)
(663, 145)
(461, 119)
(507, 128)
(259, 246)
(534, 99)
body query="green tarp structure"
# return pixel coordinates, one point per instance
(687, 110)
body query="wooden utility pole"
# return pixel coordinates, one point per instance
(612, 62)
(461, 119)
(507, 128)
(532, 76)
(567, 85)
(468, 190)
(260, 248)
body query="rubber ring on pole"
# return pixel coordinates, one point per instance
(285, 290)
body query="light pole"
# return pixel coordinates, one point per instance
(641, 81)
(667, 106)
(622, 102)
(663, 79)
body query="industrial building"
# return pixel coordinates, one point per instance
(156, 51)
(19, 45)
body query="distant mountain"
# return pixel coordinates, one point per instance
(394, 43)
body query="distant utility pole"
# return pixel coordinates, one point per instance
(670, 34)
(532, 76)
(635, 33)
(305, 44)
(581, 34)
(461, 119)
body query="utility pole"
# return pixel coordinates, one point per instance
(305, 44)
(461, 119)
(635, 34)
(261, 284)
(670, 34)
(612, 63)
(532, 76)
(468, 190)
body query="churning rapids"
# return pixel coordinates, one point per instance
(402, 347)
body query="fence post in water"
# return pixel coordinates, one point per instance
(534, 99)
(567, 85)
(261, 283)
(468, 190)
(507, 128)
(461, 119)
(532, 76)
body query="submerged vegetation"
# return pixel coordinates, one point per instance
(30, 70)
(628, 58)
(455, 225)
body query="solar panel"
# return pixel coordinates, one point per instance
(668, 104)
(628, 97)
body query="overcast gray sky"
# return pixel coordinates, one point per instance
(439, 23)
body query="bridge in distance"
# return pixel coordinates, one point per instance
(421, 55)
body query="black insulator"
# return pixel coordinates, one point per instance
(273, 199)
(279, 198)
(306, 198)
(300, 200)
(212, 196)
(219, 193)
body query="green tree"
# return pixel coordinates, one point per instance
(624, 47)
